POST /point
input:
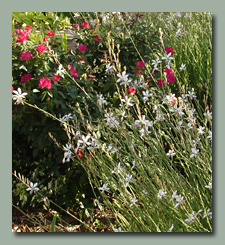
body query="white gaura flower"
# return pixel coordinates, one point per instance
(60, 70)
(67, 154)
(210, 135)
(179, 200)
(177, 110)
(182, 67)
(191, 95)
(208, 214)
(123, 79)
(127, 101)
(209, 186)
(171, 153)
(66, 117)
(133, 201)
(208, 115)
(101, 100)
(104, 188)
(180, 125)
(201, 130)
(156, 62)
(128, 179)
(194, 152)
(189, 126)
(109, 69)
(191, 218)
(19, 96)
(110, 149)
(146, 95)
(118, 230)
(161, 194)
(167, 57)
(174, 195)
(118, 169)
(171, 228)
(134, 165)
(84, 141)
(33, 188)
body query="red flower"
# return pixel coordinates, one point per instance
(55, 78)
(169, 50)
(168, 71)
(26, 56)
(41, 48)
(160, 83)
(45, 39)
(28, 28)
(97, 38)
(175, 100)
(12, 88)
(82, 47)
(85, 25)
(73, 72)
(171, 78)
(45, 82)
(131, 90)
(79, 152)
(50, 33)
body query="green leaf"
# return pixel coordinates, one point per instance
(35, 152)
(50, 94)
(53, 222)
(62, 94)
(44, 95)
(35, 90)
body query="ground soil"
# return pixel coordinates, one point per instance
(42, 223)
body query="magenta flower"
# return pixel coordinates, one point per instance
(82, 47)
(26, 56)
(41, 48)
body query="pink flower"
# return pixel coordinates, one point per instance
(45, 39)
(41, 48)
(171, 78)
(138, 71)
(23, 35)
(97, 38)
(50, 33)
(73, 72)
(85, 25)
(168, 71)
(77, 26)
(160, 83)
(26, 56)
(22, 38)
(12, 88)
(169, 50)
(28, 28)
(141, 64)
(55, 78)
(26, 77)
(131, 90)
(45, 82)
(69, 67)
(82, 47)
